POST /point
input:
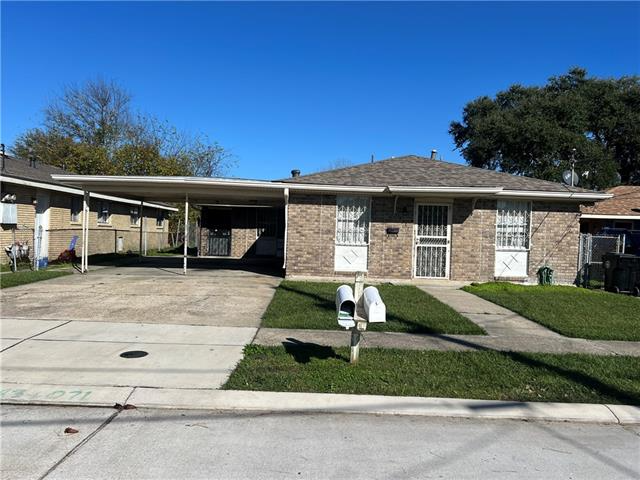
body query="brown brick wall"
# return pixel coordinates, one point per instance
(311, 234)
(311, 238)
(473, 240)
(555, 230)
(391, 256)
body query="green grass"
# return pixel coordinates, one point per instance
(482, 375)
(312, 305)
(570, 311)
(23, 277)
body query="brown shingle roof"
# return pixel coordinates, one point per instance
(625, 201)
(415, 171)
(20, 168)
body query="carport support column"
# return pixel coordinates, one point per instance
(186, 232)
(141, 216)
(84, 261)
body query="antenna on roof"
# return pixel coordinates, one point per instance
(372, 158)
(2, 152)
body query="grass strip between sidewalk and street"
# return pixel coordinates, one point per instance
(8, 280)
(570, 311)
(311, 305)
(479, 375)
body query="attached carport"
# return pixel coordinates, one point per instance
(208, 192)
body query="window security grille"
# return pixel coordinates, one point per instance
(352, 221)
(103, 212)
(513, 225)
(76, 208)
(134, 216)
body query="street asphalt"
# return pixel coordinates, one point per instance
(147, 443)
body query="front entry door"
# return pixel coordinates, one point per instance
(433, 237)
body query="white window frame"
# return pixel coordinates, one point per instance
(512, 234)
(75, 214)
(104, 206)
(340, 238)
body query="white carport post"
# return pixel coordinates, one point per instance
(186, 232)
(84, 261)
(141, 217)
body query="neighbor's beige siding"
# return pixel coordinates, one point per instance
(102, 237)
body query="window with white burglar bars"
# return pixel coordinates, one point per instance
(513, 225)
(352, 234)
(352, 221)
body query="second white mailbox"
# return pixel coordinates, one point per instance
(374, 307)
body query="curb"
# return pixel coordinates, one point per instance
(290, 402)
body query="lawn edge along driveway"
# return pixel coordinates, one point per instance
(311, 305)
(9, 280)
(569, 311)
(488, 375)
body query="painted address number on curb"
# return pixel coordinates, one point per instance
(58, 394)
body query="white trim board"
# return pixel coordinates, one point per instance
(75, 191)
(610, 216)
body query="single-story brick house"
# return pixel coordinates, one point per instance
(404, 218)
(46, 214)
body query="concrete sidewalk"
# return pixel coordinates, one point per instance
(415, 341)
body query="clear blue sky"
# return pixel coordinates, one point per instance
(301, 85)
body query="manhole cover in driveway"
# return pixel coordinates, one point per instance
(134, 354)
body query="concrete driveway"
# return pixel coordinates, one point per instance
(64, 337)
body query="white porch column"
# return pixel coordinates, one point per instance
(141, 216)
(186, 232)
(86, 202)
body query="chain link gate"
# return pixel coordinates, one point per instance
(592, 248)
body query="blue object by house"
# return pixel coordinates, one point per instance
(43, 262)
(74, 240)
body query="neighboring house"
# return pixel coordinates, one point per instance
(622, 211)
(48, 215)
(403, 218)
(619, 215)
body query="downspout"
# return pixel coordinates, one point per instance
(286, 226)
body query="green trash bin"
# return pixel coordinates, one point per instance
(545, 275)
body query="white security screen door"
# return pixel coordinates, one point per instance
(433, 234)
(513, 232)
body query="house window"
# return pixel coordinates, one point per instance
(159, 218)
(266, 222)
(103, 212)
(352, 221)
(134, 216)
(76, 209)
(513, 225)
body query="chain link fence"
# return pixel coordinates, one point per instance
(592, 248)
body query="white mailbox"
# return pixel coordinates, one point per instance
(374, 307)
(345, 307)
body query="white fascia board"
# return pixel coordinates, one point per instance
(175, 181)
(610, 216)
(75, 191)
(584, 196)
(455, 190)
(309, 187)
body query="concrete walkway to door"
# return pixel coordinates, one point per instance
(506, 331)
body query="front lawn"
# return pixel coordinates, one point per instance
(570, 311)
(482, 375)
(27, 276)
(409, 309)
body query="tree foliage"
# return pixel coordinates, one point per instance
(91, 129)
(532, 131)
